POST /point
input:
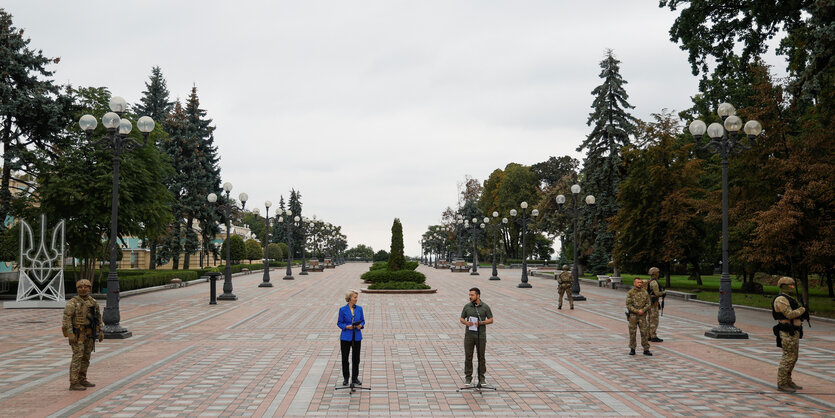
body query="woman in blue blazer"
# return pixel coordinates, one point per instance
(351, 322)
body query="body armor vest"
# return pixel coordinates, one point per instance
(779, 315)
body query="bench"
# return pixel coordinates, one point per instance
(604, 281)
(460, 266)
(539, 270)
(329, 264)
(442, 264)
(175, 283)
(314, 266)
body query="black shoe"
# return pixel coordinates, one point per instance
(647, 353)
(559, 307)
(572, 308)
(345, 382)
(631, 351)
(356, 382)
(656, 340)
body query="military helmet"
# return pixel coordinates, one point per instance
(653, 270)
(565, 266)
(83, 282)
(785, 281)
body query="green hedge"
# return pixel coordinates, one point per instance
(398, 286)
(380, 276)
(382, 265)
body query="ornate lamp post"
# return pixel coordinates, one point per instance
(475, 234)
(459, 224)
(266, 280)
(495, 228)
(524, 222)
(575, 190)
(306, 223)
(724, 139)
(227, 208)
(118, 141)
(288, 213)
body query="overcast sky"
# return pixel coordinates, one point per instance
(371, 109)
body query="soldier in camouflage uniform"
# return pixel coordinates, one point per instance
(82, 325)
(789, 330)
(637, 305)
(564, 282)
(655, 295)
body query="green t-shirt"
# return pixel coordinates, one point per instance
(482, 312)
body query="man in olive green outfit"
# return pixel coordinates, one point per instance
(82, 325)
(564, 282)
(655, 295)
(789, 330)
(475, 314)
(637, 305)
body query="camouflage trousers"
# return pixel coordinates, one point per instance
(562, 291)
(791, 346)
(653, 320)
(635, 322)
(80, 360)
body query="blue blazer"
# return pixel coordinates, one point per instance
(345, 319)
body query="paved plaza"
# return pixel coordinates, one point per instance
(275, 352)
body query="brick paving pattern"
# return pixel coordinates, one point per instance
(274, 352)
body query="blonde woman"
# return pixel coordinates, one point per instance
(351, 321)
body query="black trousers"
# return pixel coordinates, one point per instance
(346, 347)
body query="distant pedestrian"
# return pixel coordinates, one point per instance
(656, 292)
(351, 321)
(478, 315)
(564, 282)
(789, 330)
(82, 325)
(637, 305)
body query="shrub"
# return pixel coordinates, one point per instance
(398, 286)
(381, 255)
(396, 259)
(380, 276)
(410, 265)
(380, 265)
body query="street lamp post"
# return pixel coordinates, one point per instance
(118, 141)
(266, 280)
(476, 234)
(227, 207)
(495, 275)
(304, 228)
(524, 222)
(459, 224)
(724, 139)
(288, 213)
(575, 190)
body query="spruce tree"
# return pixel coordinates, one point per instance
(155, 99)
(33, 112)
(612, 126)
(295, 205)
(396, 259)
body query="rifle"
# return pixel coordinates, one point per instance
(805, 314)
(662, 303)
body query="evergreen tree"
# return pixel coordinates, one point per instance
(279, 232)
(155, 99)
(612, 125)
(396, 259)
(33, 113)
(295, 205)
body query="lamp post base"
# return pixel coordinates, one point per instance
(494, 278)
(116, 332)
(578, 297)
(524, 285)
(726, 332)
(475, 273)
(288, 277)
(265, 284)
(303, 273)
(227, 296)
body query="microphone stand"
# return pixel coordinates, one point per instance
(478, 387)
(353, 386)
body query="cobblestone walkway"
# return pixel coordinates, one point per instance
(274, 352)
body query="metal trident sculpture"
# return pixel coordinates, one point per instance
(41, 269)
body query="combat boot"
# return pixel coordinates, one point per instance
(786, 388)
(77, 386)
(88, 384)
(795, 386)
